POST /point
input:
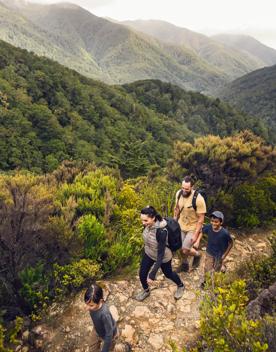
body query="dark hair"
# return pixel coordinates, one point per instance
(94, 293)
(188, 179)
(151, 212)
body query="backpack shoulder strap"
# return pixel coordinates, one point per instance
(179, 195)
(159, 231)
(196, 193)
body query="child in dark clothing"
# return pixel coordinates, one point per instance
(218, 246)
(105, 329)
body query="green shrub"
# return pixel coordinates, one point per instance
(9, 337)
(94, 236)
(75, 275)
(35, 286)
(252, 206)
(224, 325)
(2, 340)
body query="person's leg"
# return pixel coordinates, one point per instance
(96, 342)
(183, 257)
(208, 267)
(217, 264)
(167, 270)
(145, 267)
(188, 250)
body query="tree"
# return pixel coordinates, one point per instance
(26, 202)
(223, 163)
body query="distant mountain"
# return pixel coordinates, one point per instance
(101, 49)
(250, 46)
(232, 61)
(255, 94)
(49, 113)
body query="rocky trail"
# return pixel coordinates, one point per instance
(148, 326)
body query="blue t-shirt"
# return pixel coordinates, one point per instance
(217, 241)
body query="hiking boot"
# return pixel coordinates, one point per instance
(142, 295)
(196, 261)
(183, 267)
(179, 292)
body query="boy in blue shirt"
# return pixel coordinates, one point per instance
(218, 246)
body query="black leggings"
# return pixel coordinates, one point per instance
(146, 265)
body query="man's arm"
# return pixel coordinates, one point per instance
(176, 211)
(199, 225)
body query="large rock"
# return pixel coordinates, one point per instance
(264, 304)
(128, 334)
(156, 341)
(114, 312)
(141, 312)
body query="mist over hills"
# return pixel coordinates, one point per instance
(255, 94)
(114, 53)
(233, 60)
(250, 46)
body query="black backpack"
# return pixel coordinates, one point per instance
(174, 234)
(197, 192)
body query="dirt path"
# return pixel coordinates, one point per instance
(147, 325)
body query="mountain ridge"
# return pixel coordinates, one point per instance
(109, 51)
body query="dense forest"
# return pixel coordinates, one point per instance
(50, 113)
(254, 94)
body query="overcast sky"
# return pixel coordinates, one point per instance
(254, 17)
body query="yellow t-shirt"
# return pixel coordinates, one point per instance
(188, 216)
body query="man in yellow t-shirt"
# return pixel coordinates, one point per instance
(190, 221)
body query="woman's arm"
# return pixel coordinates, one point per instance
(161, 236)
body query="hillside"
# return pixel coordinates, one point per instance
(255, 94)
(250, 46)
(101, 49)
(50, 113)
(201, 114)
(231, 61)
(59, 114)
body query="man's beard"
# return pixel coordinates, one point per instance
(186, 194)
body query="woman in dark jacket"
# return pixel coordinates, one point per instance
(156, 253)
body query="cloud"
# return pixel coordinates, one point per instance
(91, 4)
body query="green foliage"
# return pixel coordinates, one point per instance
(252, 205)
(2, 340)
(199, 114)
(224, 325)
(255, 94)
(95, 241)
(75, 275)
(221, 164)
(35, 287)
(9, 337)
(49, 114)
(15, 330)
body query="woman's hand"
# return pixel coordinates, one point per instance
(150, 281)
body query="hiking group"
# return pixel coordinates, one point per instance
(162, 237)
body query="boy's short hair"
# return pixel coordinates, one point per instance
(218, 215)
